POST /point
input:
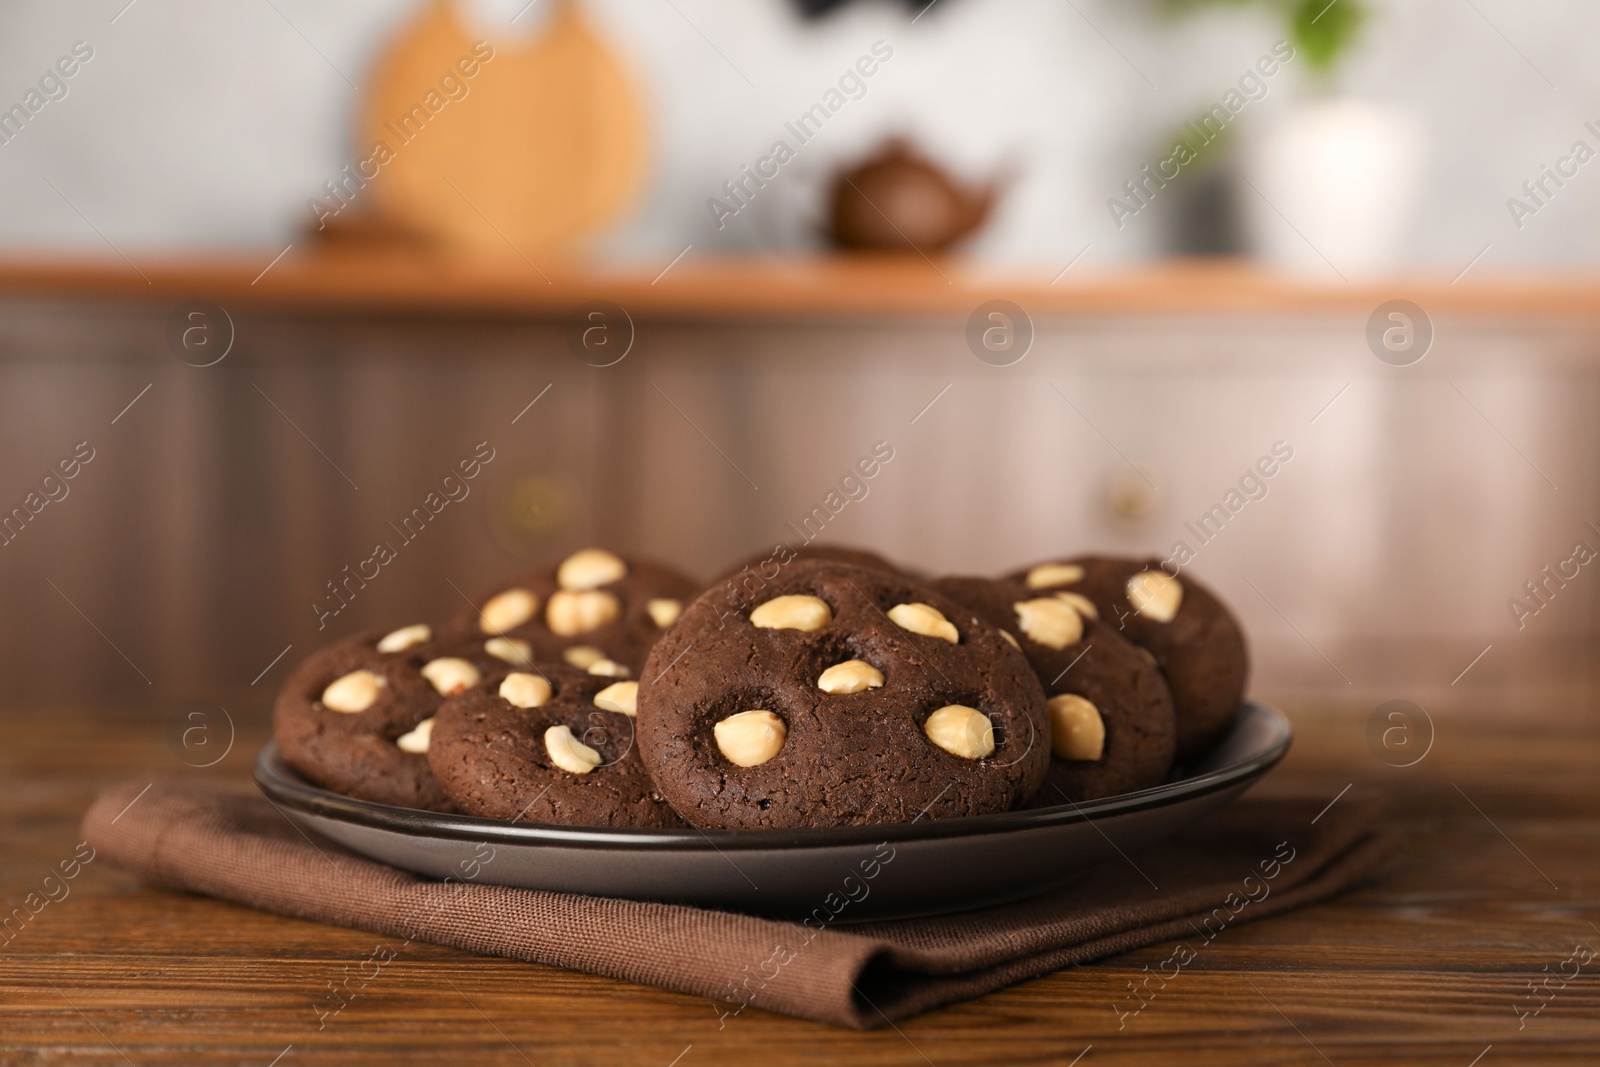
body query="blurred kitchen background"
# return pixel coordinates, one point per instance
(581, 245)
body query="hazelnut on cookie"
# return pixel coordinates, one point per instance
(593, 610)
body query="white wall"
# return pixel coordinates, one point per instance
(199, 124)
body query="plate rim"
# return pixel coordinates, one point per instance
(282, 785)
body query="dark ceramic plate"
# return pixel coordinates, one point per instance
(848, 874)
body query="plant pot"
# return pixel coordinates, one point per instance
(1335, 183)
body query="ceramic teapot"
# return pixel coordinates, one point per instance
(898, 200)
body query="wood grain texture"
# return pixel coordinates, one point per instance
(217, 509)
(1426, 965)
(505, 282)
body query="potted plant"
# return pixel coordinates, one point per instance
(1325, 184)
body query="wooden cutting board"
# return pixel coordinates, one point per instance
(541, 147)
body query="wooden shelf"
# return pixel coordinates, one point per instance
(768, 288)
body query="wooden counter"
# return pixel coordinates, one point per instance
(699, 286)
(1499, 880)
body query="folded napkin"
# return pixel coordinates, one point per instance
(1254, 859)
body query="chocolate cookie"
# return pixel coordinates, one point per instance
(765, 565)
(551, 744)
(592, 606)
(747, 584)
(354, 716)
(1195, 639)
(1111, 721)
(845, 697)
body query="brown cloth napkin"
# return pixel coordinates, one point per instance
(1254, 859)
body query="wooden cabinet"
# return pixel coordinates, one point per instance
(204, 534)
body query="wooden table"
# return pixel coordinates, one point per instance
(1498, 882)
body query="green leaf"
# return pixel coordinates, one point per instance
(1324, 30)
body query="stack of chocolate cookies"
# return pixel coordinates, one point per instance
(824, 687)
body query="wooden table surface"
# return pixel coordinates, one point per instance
(1498, 884)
